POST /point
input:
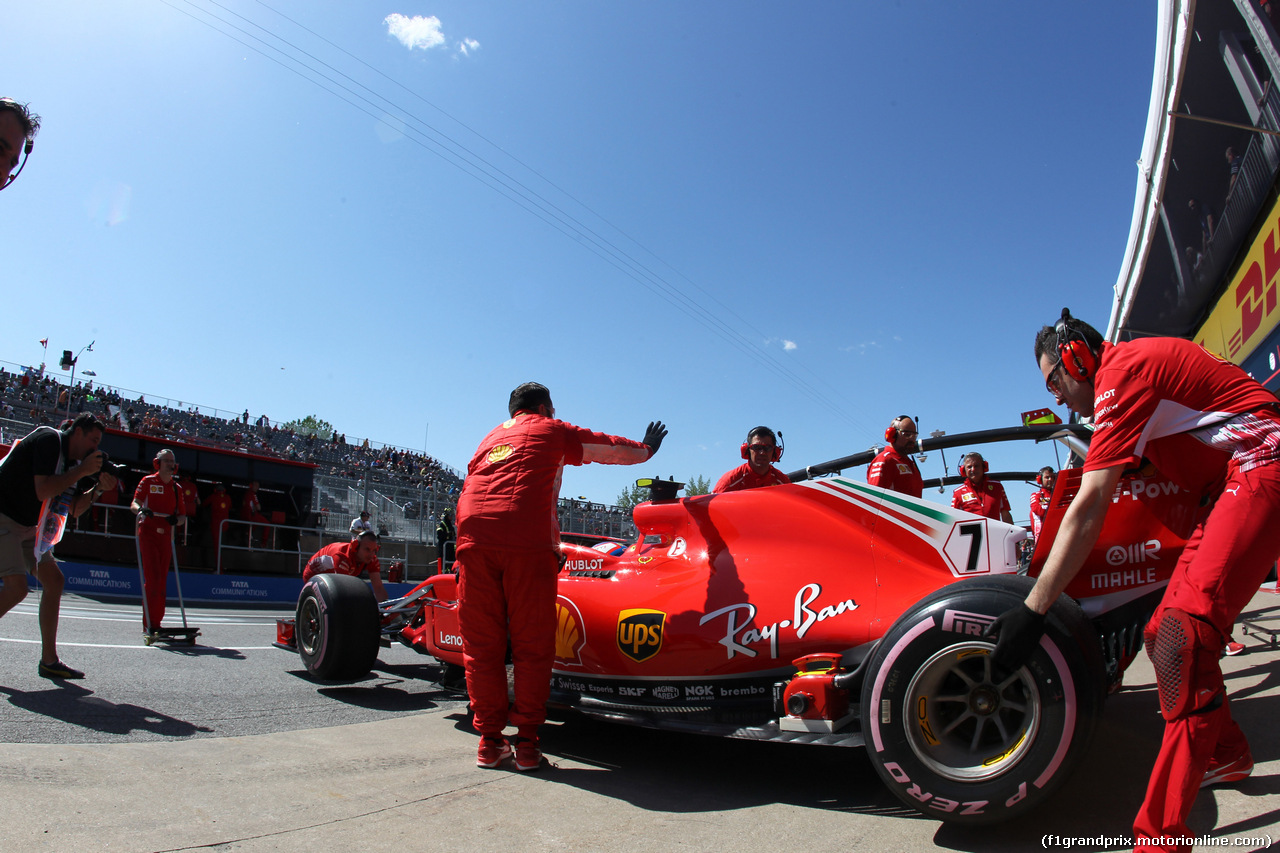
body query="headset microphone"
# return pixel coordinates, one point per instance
(26, 154)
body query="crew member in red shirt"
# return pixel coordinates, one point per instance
(251, 510)
(1176, 404)
(190, 498)
(1040, 499)
(509, 557)
(353, 558)
(219, 511)
(978, 494)
(893, 468)
(760, 450)
(158, 504)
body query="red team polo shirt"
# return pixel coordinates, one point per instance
(1154, 394)
(1039, 506)
(339, 558)
(743, 477)
(158, 496)
(891, 470)
(988, 499)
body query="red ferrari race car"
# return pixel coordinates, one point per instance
(829, 612)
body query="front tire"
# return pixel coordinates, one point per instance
(953, 736)
(337, 627)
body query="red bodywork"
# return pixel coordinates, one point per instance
(703, 618)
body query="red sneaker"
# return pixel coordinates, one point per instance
(1233, 771)
(494, 749)
(528, 756)
(1234, 648)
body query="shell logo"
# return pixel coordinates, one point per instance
(508, 424)
(570, 634)
(501, 452)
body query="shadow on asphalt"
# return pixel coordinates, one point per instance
(78, 706)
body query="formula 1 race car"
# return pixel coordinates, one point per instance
(829, 612)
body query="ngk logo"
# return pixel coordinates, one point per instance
(1138, 552)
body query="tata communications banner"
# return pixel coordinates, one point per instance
(1247, 314)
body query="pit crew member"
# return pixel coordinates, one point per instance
(219, 511)
(158, 504)
(251, 510)
(1045, 479)
(509, 557)
(1175, 403)
(353, 558)
(39, 482)
(978, 494)
(893, 468)
(761, 451)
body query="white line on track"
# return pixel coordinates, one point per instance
(135, 614)
(132, 645)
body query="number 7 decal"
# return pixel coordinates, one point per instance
(964, 549)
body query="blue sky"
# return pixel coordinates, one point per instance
(813, 216)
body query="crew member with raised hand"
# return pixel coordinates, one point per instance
(509, 557)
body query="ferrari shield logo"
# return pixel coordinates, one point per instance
(640, 633)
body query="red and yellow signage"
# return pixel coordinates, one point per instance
(1247, 312)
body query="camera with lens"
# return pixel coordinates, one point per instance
(109, 467)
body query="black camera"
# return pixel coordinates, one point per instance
(109, 467)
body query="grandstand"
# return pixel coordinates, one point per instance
(405, 490)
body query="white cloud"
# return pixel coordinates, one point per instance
(416, 32)
(467, 45)
(788, 346)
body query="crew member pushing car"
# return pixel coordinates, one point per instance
(893, 468)
(158, 504)
(509, 557)
(1208, 427)
(353, 558)
(760, 450)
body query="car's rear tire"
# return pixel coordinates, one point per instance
(337, 627)
(958, 740)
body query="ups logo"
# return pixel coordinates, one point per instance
(640, 633)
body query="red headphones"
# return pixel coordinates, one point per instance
(761, 430)
(155, 463)
(892, 433)
(1040, 479)
(1074, 353)
(985, 467)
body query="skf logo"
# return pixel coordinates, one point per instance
(501, 452)
(1138, 552)
(640, 633)
(570, 636)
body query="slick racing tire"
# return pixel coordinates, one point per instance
(337, 628)
(956, 738)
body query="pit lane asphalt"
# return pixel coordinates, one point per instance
(227, 747)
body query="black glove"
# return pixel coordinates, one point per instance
(653, 436)
(144, 513)
(172, 519)
(1020, 629)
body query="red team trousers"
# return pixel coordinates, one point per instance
(1227, 557)
(501, 595)
(155, 545)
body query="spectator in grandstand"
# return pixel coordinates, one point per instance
(354, 558)
(362, 523)
(1040, 500)
(760, 450)
(18, 128)
(39, 490)
(1204, 217)
(219, 511)
(893, 468)
(509, 553)
(1234, 162)
(1222, 443)
(979, 494)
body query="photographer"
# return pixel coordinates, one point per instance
(40, 487)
